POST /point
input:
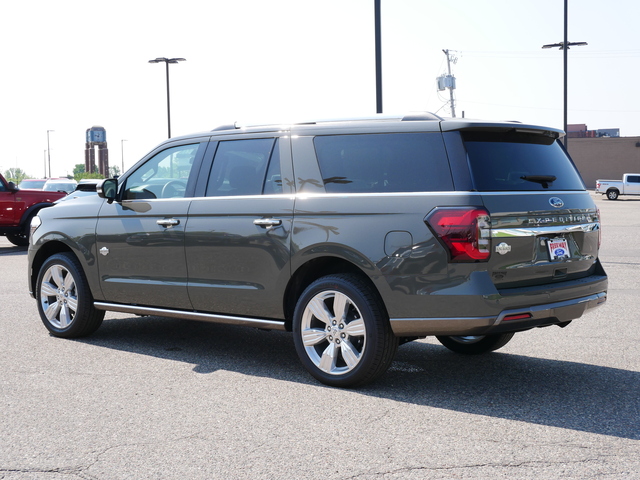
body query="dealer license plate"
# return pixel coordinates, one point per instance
(558, 248)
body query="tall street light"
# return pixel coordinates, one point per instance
(378, 37)
(122, 153)
(167, 61)
(564, 46)
(49, 152)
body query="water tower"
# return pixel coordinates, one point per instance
(96, 137)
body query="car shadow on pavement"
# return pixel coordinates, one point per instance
(554, 393)
(12, 250)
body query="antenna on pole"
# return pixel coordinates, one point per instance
(448, 81)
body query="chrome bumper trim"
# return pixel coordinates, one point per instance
(564, 311)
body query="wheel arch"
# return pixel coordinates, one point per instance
(44, 252)
(314, 269)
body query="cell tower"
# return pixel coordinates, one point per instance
(449, 81)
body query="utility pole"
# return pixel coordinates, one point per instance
(565, 47)
(448, 81)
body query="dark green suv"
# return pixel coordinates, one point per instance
(355, 235)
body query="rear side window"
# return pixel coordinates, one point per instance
(242, 167)
(392, 162)
(508, 161)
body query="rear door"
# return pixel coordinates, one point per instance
(140, 240)
(544, 225)
(632, 185)
(239, 231)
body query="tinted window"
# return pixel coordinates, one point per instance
(398, 162)
(633, 179)
(164, 175)
(240, 168)
(519, 161)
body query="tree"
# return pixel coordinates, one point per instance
(78, 169)
(15, 175)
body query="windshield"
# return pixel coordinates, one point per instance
(507, 161)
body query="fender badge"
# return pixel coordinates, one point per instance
(104, 251)
(503, 248)
(556, 202)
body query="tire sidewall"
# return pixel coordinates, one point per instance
(76, 326)
(373, 320)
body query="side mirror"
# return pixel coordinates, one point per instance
(108, 189)
(12, 187)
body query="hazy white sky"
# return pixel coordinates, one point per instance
(68, 65)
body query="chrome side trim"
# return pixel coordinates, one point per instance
(550, 230)
(205, 317)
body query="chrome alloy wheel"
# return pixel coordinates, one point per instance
(58, 296)
(333, 332)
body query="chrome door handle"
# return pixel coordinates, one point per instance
(168, 222)
(267, 222)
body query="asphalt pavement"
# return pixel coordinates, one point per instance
(157, 398)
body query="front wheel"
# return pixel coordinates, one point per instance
(64, 300)
(341, 332)
(612, 194)
(475, 344)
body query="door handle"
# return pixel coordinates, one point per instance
(267, 222)
(168, 222)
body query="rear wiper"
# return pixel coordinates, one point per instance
(543, 180)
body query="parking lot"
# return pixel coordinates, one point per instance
(156, 398)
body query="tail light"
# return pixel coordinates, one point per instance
(465, 231)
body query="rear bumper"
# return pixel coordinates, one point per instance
(512, 319)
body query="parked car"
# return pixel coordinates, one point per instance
(32, 183)
(629, 185)
(18, 207)
(356, 236)
(60, 185)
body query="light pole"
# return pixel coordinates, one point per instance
(564, 46)
(49, 153)
(378, 35)
(167, 61)
(122, 152)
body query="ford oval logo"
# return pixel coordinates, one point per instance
(556, 202)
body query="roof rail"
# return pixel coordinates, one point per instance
(421, 116)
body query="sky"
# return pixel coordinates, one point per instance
(69, 65)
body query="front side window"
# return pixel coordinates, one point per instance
(164, 175)
(243, 167)
(375, 163)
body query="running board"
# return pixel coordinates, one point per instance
(204, 317)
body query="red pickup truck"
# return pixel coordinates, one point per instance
(17, 208)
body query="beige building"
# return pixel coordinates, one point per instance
(605, 157)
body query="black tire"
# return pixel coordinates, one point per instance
(348, 349)
(18, 239)
(612, 194)
(475, 344)
(64, 300)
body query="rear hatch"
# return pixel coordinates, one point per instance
(544, 224)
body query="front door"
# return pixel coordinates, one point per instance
(140, 240)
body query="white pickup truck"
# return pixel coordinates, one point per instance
(629, 185)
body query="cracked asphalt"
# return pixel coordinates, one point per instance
(156, 398)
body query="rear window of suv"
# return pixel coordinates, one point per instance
(389, 162)
(520, 161)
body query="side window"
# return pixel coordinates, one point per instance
(242, 167)
(633, 178)
(164, 175)
(374, 163)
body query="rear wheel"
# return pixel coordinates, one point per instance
(19, 239)
(342, 333)
(475, 344)
(64, 300)
(612, 194)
